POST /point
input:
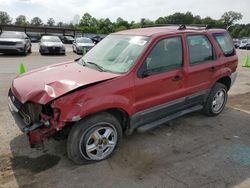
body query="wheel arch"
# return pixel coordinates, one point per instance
(226, 80)
(120, 114)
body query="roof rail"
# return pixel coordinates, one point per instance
(182, 26)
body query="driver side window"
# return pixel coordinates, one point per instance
(166, 55)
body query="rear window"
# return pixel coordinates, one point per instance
(226, 43)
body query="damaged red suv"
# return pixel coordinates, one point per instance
(132, 80)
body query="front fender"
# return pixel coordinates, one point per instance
(78, 107)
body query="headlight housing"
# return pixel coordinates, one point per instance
(43, 47)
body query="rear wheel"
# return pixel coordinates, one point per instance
(94, 138)
(216, 100)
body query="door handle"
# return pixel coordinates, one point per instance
(176, 78)
(212, 69)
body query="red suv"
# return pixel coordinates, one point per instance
(132, 80)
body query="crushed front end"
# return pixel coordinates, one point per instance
(36, 120)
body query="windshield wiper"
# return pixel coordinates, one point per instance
(84, 63)
(98, 66)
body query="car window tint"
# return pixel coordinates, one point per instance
(200, 49)
(226, 44)
(166, 55)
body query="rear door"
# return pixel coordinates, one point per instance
(202, 63)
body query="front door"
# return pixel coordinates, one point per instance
(161, 80)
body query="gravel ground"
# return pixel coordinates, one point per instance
(192, 151)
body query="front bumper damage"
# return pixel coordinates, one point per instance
(36, 129)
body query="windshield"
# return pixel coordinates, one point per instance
(117, 53)
(83, 40)
(50, 39)
(17, 35)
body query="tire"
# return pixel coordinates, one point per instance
(91, 132)
(216, 100)
(24, 53)
(29, 51)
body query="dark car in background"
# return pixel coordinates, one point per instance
(82, 43)
(14, 42)
(67, 39)
(34, 37)
(96, 39)
(236, 43)
(248, 44)
(51, 45)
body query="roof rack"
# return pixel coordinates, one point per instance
(182, 26)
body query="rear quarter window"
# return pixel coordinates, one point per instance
(226, 43)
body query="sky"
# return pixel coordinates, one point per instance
(65, 10)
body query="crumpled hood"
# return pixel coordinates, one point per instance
(45, 84)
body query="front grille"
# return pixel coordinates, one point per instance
(30, 113)
(8, 43)
(54, 49)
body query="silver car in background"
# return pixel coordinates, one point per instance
(14, 42)
(51, 45)
(82, 43)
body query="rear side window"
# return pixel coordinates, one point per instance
(226, 43)
(200, 49)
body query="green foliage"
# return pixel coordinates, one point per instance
(229, 18)
(21, 20)
(36, 21)
(51, 22)
(5, 18)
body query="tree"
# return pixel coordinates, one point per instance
(5, 18)
(105, 26)
(36, 21)
(86, 20)
(229, 18)
(146, 22)
(60, 24)
(160, 20)
(21, 20)
(51, 22)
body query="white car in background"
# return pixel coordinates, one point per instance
(243, 43)
(80, 43)
(14, 42)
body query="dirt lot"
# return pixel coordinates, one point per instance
(192, 151)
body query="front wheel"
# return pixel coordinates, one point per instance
(216, 100)
(94, 138)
